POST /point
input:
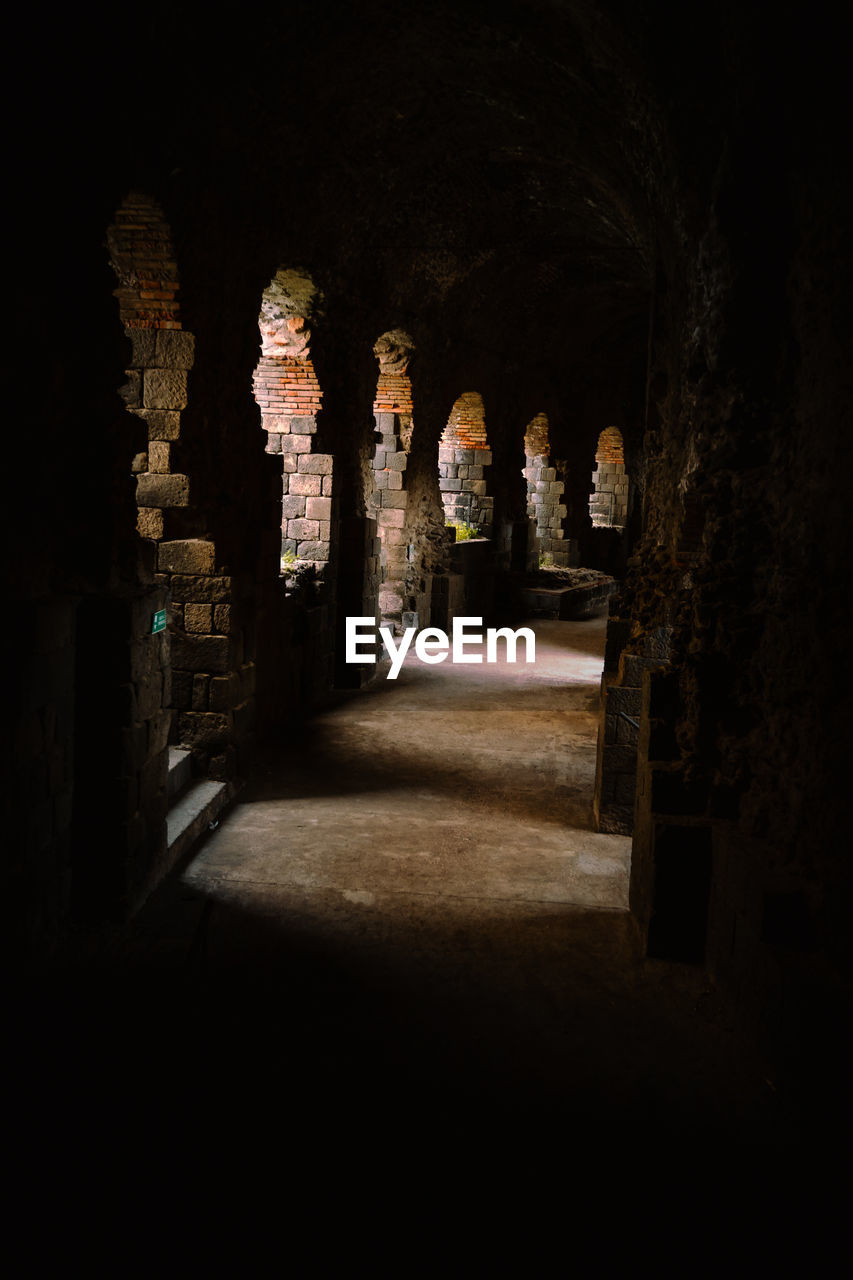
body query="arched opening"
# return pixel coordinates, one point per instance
(389, 500)
(463, 456)
(608, 503)
(289, 397)
(545, 495)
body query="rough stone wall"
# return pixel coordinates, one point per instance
(211, 682)
(544, 492)
(608, 505)
(289, 397)
(463, 455)
(388, 500)
(288, 394)
(389, 505)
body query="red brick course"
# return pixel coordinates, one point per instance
(466, 426)
(143, 258)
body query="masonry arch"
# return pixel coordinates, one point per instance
(608, 504)
(463, 458)
(545, 494)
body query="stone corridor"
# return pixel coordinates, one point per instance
(453, 783)
(327, 312)
(410, 919)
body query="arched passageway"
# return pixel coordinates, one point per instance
(545, 491)
(608, 504)
(636, 214)
(463, 458)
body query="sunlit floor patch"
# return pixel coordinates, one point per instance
(451, 783)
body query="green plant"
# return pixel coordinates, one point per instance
(464, 531)
(546, 560)
(288, 560)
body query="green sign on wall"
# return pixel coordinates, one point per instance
(159, 623)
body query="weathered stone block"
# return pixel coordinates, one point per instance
(201, 653)
(158, 456)
(208, 729)
(222, 618)
(293, 506)
(275, 424)
(175, 349)
(395, 461)
(392, 516)
(316, 464)
(203, 588)
(328, 485)
(142, 345)
(318, 508)
(312, 550)
(186, 556)
(309, 485)
(295, 444)
(303, 426)
(302, 529)
(154, 490)
(199, 618)
(395, 479)
(165, 389)
(289, 462)
(395, 498)
(149, 522)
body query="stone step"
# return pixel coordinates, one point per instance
(180, 771)
(191, 815)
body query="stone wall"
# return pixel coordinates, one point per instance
(289, 397)
(463, 455)
(211, 677)
(608, 504)
(390, 501)
(544, 493)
